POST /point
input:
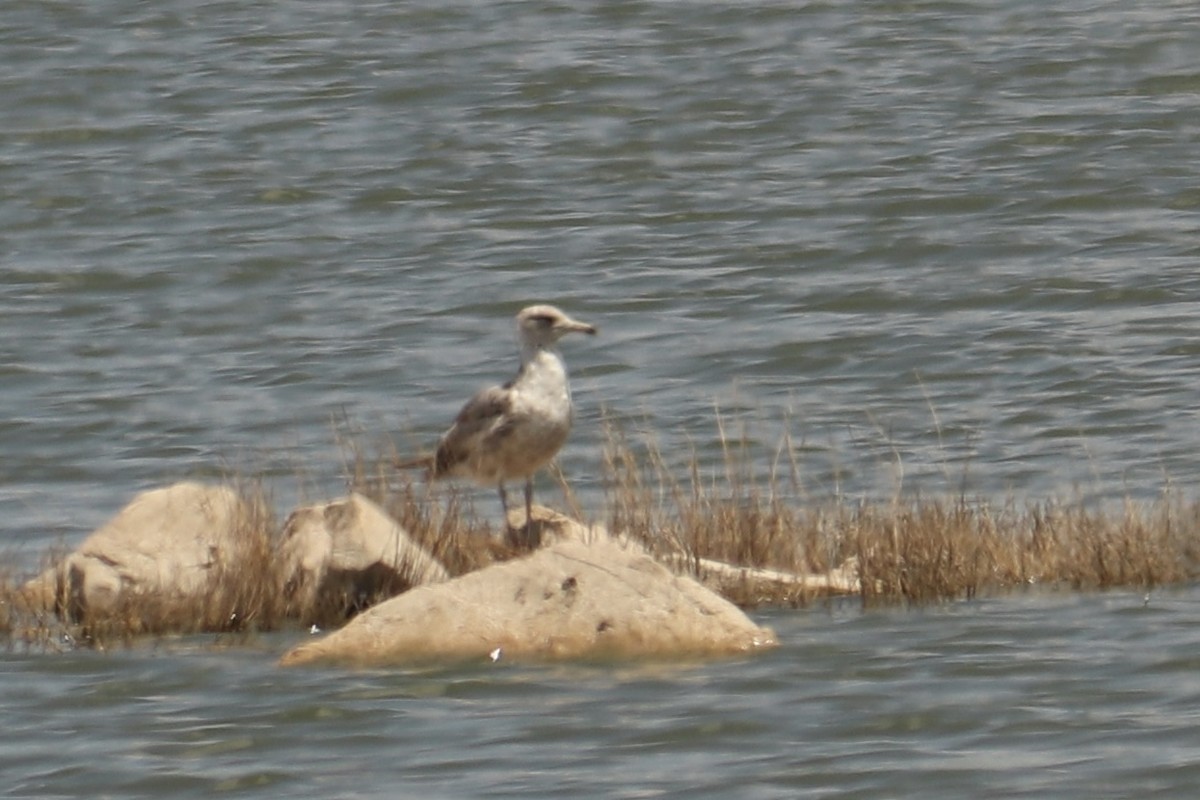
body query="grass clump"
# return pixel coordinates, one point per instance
(903, 551)
(929, 551)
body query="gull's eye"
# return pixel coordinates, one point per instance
(543, 320)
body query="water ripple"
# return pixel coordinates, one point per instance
(951, 243)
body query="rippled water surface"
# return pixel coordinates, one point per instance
(948, 245)
(1025, 697)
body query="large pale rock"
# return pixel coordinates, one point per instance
(170, 544)
(338, 557)
(573, 599)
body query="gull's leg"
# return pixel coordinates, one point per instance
(529, 513)
(504, 504)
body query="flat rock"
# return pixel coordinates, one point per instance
(572, 599)
(341, 556)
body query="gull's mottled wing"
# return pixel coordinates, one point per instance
(482, 421)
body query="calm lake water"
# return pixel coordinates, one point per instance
(948, 246)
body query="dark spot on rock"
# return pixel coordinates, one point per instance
(570, 584)
(603, 626)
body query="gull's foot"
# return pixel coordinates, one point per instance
(523, 533)
(527, 536)
(547, 526)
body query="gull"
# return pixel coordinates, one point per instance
(507, 433)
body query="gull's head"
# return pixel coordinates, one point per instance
(542, 326)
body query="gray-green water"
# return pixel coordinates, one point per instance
(1092, 697)
(955, 243)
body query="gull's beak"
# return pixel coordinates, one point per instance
(568, 325)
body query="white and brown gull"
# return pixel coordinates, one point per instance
(507, 433)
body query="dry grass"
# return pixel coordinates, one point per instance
(439, 517)
(930, 551)
(906, 551)
(748, 510)
(27, 619)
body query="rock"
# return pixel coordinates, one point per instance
(548, 526)
(342, 556)
(572, 599)
(168, 547)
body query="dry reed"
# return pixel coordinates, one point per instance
(904, 550)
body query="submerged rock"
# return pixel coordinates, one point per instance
(572, 599)
(342, 556)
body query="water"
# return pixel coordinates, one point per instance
(1025, 697)
(949, 245)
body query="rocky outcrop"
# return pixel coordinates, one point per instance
(167, 549)
(343, 556)
(197, 557)
(572, 599)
